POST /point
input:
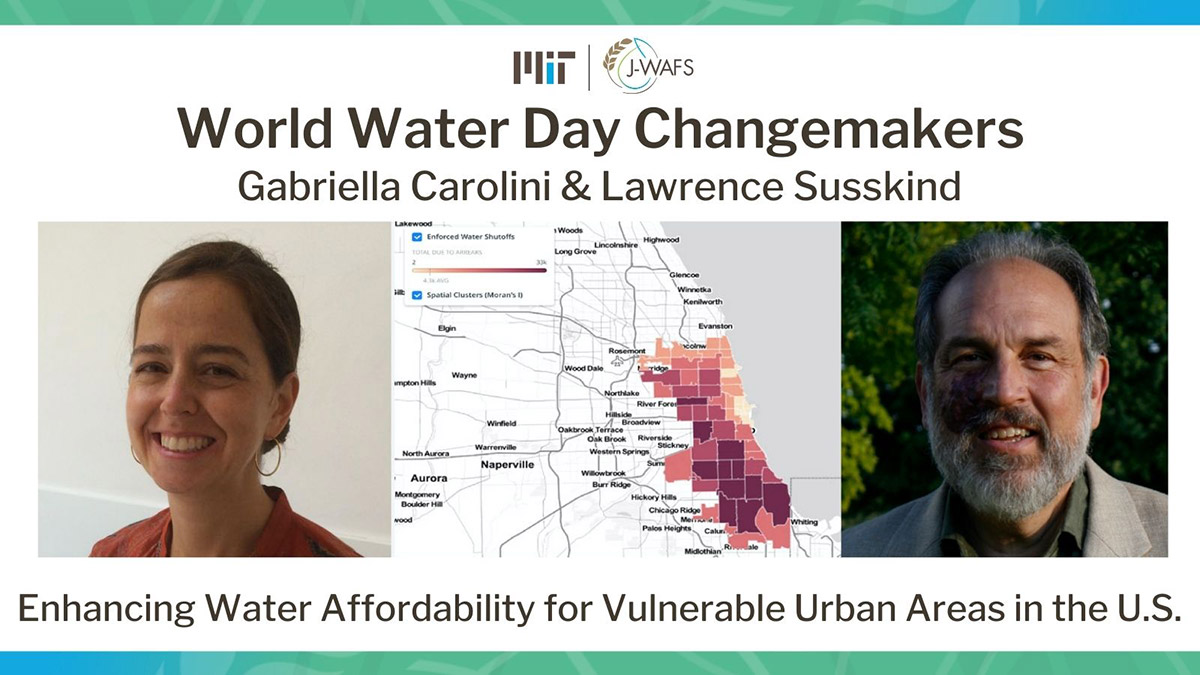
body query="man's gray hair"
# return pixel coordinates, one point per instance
(1052, 253)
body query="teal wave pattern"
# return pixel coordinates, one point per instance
(599, 663)
(600, 12)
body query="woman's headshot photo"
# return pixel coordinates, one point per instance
(218, 346)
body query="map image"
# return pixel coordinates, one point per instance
(621, 389)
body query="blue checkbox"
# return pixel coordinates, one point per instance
(417, 236)
(418, 295)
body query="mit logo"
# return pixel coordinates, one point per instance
(545, 67)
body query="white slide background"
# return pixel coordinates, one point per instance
(89, 132)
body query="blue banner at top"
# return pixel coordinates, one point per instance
(603, 12)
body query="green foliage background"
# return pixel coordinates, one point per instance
(885, 455)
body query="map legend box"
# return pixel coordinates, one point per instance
(462, 266)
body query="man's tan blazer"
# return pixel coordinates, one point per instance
(1123, 520)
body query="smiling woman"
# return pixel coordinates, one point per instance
(212, 386)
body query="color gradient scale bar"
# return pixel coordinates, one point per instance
(479, 270)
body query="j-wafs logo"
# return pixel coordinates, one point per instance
(541, 67)
(634, 66)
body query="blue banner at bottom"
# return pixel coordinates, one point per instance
(625, 663)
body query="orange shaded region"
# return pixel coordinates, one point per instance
(780, 536)
(741, 540)
(679, 466)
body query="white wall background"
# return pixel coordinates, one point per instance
(336, 465)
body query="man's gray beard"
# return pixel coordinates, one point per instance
(1007, 488)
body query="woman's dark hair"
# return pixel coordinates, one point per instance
(268, 297)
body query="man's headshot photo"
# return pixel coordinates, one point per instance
(1013, 371)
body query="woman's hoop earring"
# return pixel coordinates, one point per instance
(278, 460)
(132, 452)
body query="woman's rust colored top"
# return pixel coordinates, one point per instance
(286, 535)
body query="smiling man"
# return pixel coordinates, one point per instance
(1011, 373)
